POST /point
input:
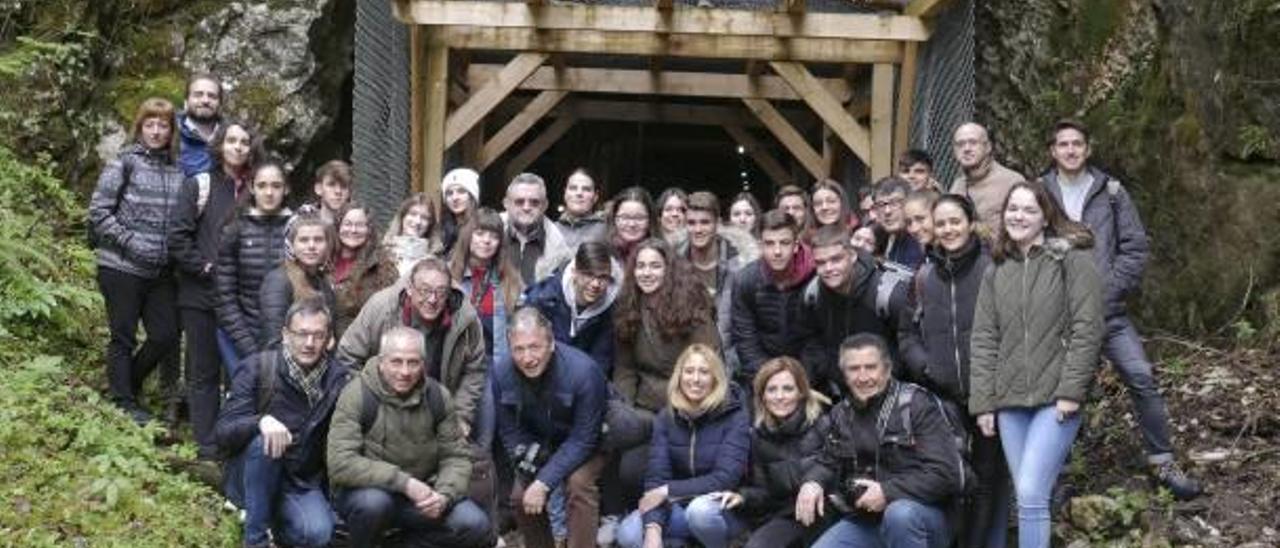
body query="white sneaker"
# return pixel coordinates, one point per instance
(608, 532)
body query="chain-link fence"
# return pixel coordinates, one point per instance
(380, 124)
(945, 87)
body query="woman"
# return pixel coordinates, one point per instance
(580, 222)
(1037, 331)
(360, 266)
(631, 221)
(252, 245)
(918, 211)
(460, 189)
(411, 236)
(935, 348)
(699, 450)
(745, 212)
(790, 429)
(304, 274)
(207, 202)
(130, 214)
(672, 205)
(484, 272)
(830, 206)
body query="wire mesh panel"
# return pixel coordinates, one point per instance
(945, 87)
(380, 118)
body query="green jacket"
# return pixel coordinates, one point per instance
(1037, 329)
(404, 441)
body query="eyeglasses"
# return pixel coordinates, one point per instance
(430, 293)
(601, 279)
(526, 202)
(308, 336)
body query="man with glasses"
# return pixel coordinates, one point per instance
(534, 241)
(901, 249)
(578, 301)
(984, 180)
(274, 423)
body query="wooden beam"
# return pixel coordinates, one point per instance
(483, 100)
(769, 48)
(881, 121)
(679, 20)
(826, 107)
(434, 113)
(681, 84)
(762, 157)
(794, 6)
(925, 9)
(514, 129)
(659, 113)
(662, 4)
(539, 145)
(787, 134)
(906, 99)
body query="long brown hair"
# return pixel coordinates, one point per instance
(397, 222)
(676, 309)
(1056, 223)
(487, 219)
(156, 107)
(847, 215)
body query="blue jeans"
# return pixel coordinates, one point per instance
(273, 499)
(230, 356)
(904, 524)
(370, 512)
(702, 520)
(1036, 446)
(1123, 348)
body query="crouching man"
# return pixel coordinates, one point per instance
(890, 466)
(274, 425)
(397, 456)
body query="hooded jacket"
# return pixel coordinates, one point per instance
(1037, 329)
(405, 440)
(131, 219)
(251, 246)
(194, 236)
(766, 313)
(589, 330)
(464, 369)
(935, 340)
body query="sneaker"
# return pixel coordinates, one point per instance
(608, 531)
(1172, 477)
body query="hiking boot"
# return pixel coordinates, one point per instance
(1169, 475)
(608, 531)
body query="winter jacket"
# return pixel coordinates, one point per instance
(251, 246)
(828, 317)
(780, 457)
(697, 455)
(1120, 241)
(562, 410)
(765, 315)
(465, 367)
(589, 330)
(373, 271)
(737, 249)
(406, 251)
(643, 366)
(405, 440)
(905, 250)
(935, 339)
(1037, 329)
(308, 424)
(131, 219)
(915, 459)
(583, 229)
(555, 251)
(988, 192)
(194, 236)
(494, 326)
(276, 296)
(193, 154)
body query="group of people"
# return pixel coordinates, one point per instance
(883, 368)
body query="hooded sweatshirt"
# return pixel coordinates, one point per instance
(589, 330)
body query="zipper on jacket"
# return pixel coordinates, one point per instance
(1026, 356)
(955, 338)
(693, 442)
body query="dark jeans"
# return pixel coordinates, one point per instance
(204, 375)
(583, 515)
(370, 512)
(984, 522)
(784, 532)
(1123, 348)
(128, 299)
(623, 483)
(274, 500)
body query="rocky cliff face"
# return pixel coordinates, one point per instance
(1181, 98)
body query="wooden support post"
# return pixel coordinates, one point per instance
(510, 133)
(645, 82)
(906, 99)
(825, 106)
(925, 9)
(429, 67)
(762, 157)
(488, 96)
(881, 121)
(539, 145)
(787, 134)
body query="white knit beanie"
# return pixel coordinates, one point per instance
(467, 178)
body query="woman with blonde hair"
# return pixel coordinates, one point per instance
(412, 234)
(308, 246)
(699, 450)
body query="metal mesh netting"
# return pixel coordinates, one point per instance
(945, 87)
(380, 124)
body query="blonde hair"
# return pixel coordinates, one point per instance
(719, 393)
(813, 401)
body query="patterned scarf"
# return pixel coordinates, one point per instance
(308, 380)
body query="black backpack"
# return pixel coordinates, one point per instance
(951, 415)
(369, 404)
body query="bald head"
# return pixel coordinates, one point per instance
(971, 145)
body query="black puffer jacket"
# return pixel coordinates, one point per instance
(765, 318)
(780, 456)
(131, 210)
(276, 296)
(194, 235)
(935, 342)
(252, 245)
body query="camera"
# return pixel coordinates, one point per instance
(846, 498)
(529, 459)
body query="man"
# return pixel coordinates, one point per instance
(1090, 196)
(274, 424)
(890, 466)
(551, 401)
(849, 295)
(717, 254)
(578, 301)
(332, 188)
(198, 122)
(902, 249)
(580, 222)
(767, 297)
(916, 167)
(984, 180)
(793, 201)
(397, 459)
(533, 240)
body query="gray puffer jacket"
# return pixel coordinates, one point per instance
(132, 236)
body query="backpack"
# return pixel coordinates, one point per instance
(951, 415)
(126, 177)
(369, 408)
(891, 274)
